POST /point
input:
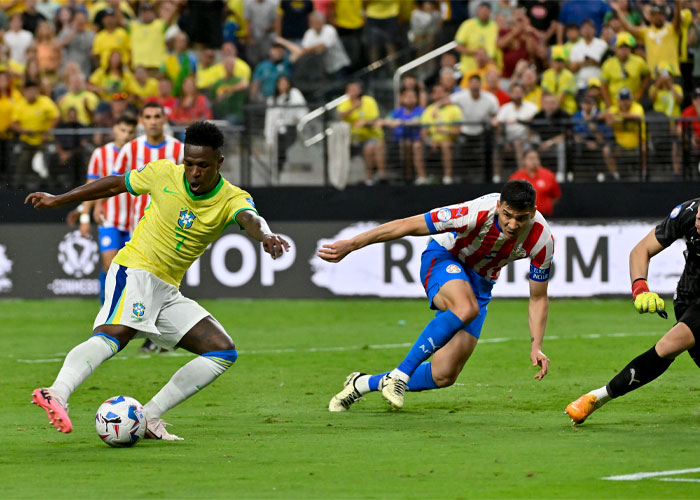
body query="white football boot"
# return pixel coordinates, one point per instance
(155, 429)
(345, 398)
(393, 389)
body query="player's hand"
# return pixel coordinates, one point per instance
(649, 302)
(275, 245)
(335, 252)
(540, 359)
(41, 201)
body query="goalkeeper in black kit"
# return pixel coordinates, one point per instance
(683, 222)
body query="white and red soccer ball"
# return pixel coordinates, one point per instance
(120, 421)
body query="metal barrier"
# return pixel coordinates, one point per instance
(257, 154)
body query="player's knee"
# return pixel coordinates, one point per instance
(445, 379)
(222, 343)
(467, 311)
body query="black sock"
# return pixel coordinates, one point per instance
(641, 370)
(695, 354)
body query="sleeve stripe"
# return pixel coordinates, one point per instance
(234, 221)
(93, 176)
(429, 222)
(128, 184)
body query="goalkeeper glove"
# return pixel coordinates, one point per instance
(646, 301)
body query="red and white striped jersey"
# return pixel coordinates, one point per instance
(470, 231)
(138, 153)
(117, 209)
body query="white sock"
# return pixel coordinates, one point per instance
(362, 384)
(398, 373)
(80, 362)
(193, 377)
(602, 395)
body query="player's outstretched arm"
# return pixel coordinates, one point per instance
(641, 254)
(258, 229)
(537, 316)
(101, 188)
(410, 226)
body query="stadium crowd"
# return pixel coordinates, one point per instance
(606, 82)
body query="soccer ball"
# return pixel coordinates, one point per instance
(120, 421)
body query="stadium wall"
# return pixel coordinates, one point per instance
(53, 260)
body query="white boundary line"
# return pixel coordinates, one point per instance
(649, 475)
(403, 345)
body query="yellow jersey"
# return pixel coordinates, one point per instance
(368, 110)
(148, 89)
(535, 97)
(446, 115)
(348, 14)
(661, 45)
(148, 43)
(84, 103)
(177, 225)
(665, 101)
(207, 77)
(36, 117)
(473, 34)
(559, 84)
(635, 69)
(7, 104)
(382, 9)
(627, 131)
(105, 43)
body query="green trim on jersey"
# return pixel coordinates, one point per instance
(234, 221)
(128, 184)
(205, 196)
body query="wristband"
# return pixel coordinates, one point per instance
(84, 218)
(80, 208)
(639, 286)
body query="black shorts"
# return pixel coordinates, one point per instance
(689, 313)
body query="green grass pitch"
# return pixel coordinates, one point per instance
(263, 430)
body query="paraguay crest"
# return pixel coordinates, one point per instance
(186, 218)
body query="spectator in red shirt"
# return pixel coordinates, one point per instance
(192, 105)
(165, 97)
(543, 179)
(693, 111)
(493, 85)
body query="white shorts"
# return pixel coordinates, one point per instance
(154, 308)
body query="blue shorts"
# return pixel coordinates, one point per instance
(438, 266)
(111, 238)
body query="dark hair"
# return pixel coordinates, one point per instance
(286, 77)
(152, 104)
(30, 83)
(519, 195)
(203, 133)
(572, 26)
(588, 21)
(475, 76)
(128, 119)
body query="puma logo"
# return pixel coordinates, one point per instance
(632, 379)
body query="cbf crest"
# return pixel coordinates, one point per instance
(186, 218)
(139, 309)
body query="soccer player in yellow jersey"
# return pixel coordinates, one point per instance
(191, 204)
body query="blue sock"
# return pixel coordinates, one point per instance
(103, 278)
(422, 379)
(435, 335)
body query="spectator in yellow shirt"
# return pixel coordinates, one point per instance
(180, 63)
(561, 82)
(208, 71)
(362, 113)
(32, 118)
(9, 98)
(143, 86)
(475, 33)
(624, 70)
(83, 101)
(382, 28)
(111, 38)
(113, 81)
(147, 38)
(443, 131)
(661, 38)
(667, 98)
(348, 18)
(627, 121)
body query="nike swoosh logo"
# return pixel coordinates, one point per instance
(168, 191)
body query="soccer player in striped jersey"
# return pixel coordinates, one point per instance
(470, 243)
(155, 145)
(112, 214)
(191, 205)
